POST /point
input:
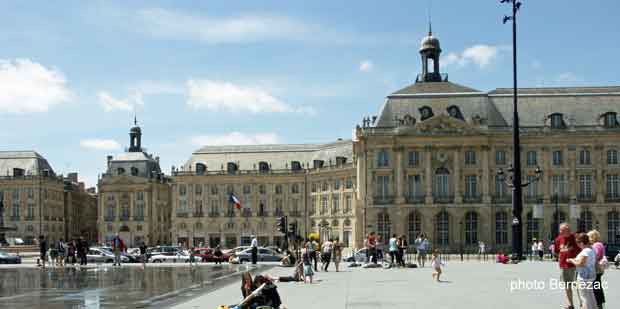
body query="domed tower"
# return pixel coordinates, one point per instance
(135, 137)
(430, 50)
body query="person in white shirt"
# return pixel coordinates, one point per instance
(586, 271)
(254, 246)
(541, 249)
(534, 249)
(617, 260)
(327, 253)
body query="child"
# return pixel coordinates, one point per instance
(308, 272)
(436, 264)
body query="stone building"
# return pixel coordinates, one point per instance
(134, 197)
(80, 209)
(310, 184)
(430, 161)
(32, 196)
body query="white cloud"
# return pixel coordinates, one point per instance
(480, 55)
(27, 87)
(172, 24)
(226, 96)
(111, 103)
(366, 66)
(100, 144)
(236, 138)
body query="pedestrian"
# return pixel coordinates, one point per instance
(601, 264)
(307, 261)
(254, 246)
(327, 253)
(62, 252)
(143, 254)
(372, 247)
(566, 248)
(481, 250)
(541, 249)
(436, 264)
(118, 247)
(71, 252)
(393, 248)
(314, 249)
(367, 248)
(337, 253)
(53, 253)
(586, 271)
(217, 253)
(422, 246)
(402, 249)
(379, 245)
(42, 251)
(192, 256)
(534, 249)
(617, 261)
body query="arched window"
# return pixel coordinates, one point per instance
(414, 225)
(455, 112)
(120, 171)
(231, 167)
(200, 169)
(425, 112)
(501, 228)
(612, 156)
(558, 218)
(610, 120)
(471, 228)
(442, 229)
(532, 227)
(613, 227)
(585, 221)
(134, 171)
(383, 226)
(263, 167)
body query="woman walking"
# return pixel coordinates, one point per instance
(337, 253)
(586, 271)
(599, 249)
(393, 247)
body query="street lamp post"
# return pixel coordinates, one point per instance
(517, 202)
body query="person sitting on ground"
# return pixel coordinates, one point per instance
(502, 258)
(268, 296)
(288, 260)
(617, 261)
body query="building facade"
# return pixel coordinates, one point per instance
(134, 197)
(80, 209)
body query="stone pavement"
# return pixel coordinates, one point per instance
(468, 285)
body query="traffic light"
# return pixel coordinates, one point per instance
(281, 224)
(292, 228)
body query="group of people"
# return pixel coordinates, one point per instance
(397, 246)
(538, 249)
(59, 253)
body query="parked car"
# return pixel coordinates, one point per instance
(236, 250)
(206, 255)
(162, 250)
(100, 255)
(612, 250)
(6, 258)
(264, 255)
(358, 256)
(174, 258)
(130, 257)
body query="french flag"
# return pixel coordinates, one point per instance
(234, 200)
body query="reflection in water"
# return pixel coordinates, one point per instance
(106, 286)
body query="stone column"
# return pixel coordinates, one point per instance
(458, 199)
(398, 172)
(428, 175)
(599, 180)
(571, 152)
(486, 196)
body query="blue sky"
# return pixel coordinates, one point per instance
(219, 72)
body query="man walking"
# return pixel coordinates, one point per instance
(82, 247)
(422, 245)
(327, 253)
(566, 248)
(372, 247)
(118, 246)
(42, 251)
(254, 246)
(143, 254)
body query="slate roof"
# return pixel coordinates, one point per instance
(30, 161)
(557, 90)
(434, 88)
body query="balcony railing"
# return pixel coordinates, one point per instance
(109, 219)
(214, 214)
(198, 214)
(561, 199)
(29, 218)
(382, 200)
(182, 215)
(14, 218)
(124, 218)
(472, 199)
(246, 213)
(612, 198)
(503, 199)
(443, 199)
(533, 199)
(138, 218)
(588, 198)
(415, 199)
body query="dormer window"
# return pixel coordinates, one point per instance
(134, 171)
(120, 171)
(610, 120)
(231, 167)
(295, 166)
(341, 161)
(426, 112)
(455, 112)
(318, 163)
(200, 169)
(263, 167)
(557, 121)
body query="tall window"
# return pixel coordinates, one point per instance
(531, 158)
(383, 183)
(139, 215)
(557, 121)
(348, 203)
(323, 205)
(262, 189)
(414, 158)
(414, 184)
(278, 206)
(613, 227)
(313, 206)
(198, 189)
(336, 184)
(295, 188)
(470, 157)
(557, 158)
(214, 190)
(585, 221)
(335, 204)
(278, 189)
(415, 225)
(442, 227)
(611, 120)
(558, 183)
(471, 228)
(501, 228)
(349, 183)
(532, 188)
(532, 228)
(215, 207)
(585, 186)
(500, 187)
(383, 159)
(384, 226)
(442, 183)
(471, 186)
(182, 190)
(612, 156)
(584, 157)
(613, 186)
(110, 212)
(558, 218)
(30, 210)
(197, 207)
(500, 157)
(125, 210)
(15, 209)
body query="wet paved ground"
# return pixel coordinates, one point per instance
(106, 286)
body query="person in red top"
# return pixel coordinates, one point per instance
(372, 247)
(565, 247)
(118, 246)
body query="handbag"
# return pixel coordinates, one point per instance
(602, 265)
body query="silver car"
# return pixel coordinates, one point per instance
(264, 255)
(98, 255)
